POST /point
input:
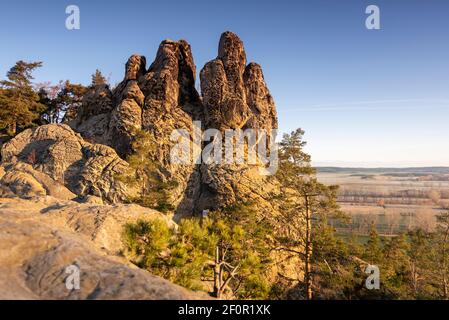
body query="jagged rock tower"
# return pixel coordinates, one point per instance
(163, 98)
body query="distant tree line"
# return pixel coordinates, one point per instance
(430, 196)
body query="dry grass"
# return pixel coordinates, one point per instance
(393, 202)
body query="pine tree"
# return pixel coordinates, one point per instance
(19, 103)
(145, 174)
(303, 200)
(62, 101)
(200, 251)
(373, 248)
(395, 268)
(420, 253)
(337, 272)
(441, 245)
(98, 79)
(70, 98)
(242, 252)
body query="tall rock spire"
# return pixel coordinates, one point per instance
(235, 95)
(163, 98)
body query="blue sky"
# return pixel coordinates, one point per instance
(364, 97)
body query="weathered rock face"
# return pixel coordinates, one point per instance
(158, 100)
(54, 160)
(235, 96)
(40, 238)
(163, 98)
(126, 118)
(171, 101)
(93, 118)
(259, 99)
(222, 86)
(82, 159)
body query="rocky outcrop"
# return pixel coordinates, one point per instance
(54, 160)
(158, 100)
(40, 238)
(259, 99)
(23, 180)
(126, 118)
(94, 117)
(235, 95)
(83, 158)
(164, 98)
(222, 86)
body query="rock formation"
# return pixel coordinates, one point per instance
(159, 100)
(235, 94)
(81, 160)
(54, 160)
(164, 98)
(40, 238)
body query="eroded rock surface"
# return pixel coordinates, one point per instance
(164, 98)
(54, 160)
(235, 96)
(81, 160)
(40, 238)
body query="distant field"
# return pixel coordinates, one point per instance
(395, 200)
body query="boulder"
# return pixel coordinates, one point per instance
(54, 160)
(41, 238)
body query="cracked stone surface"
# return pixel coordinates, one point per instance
(54, 160)
(40, 238)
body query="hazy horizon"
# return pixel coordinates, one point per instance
(372, 165)
(364, 97)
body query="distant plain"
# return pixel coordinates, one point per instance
(393, 199)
